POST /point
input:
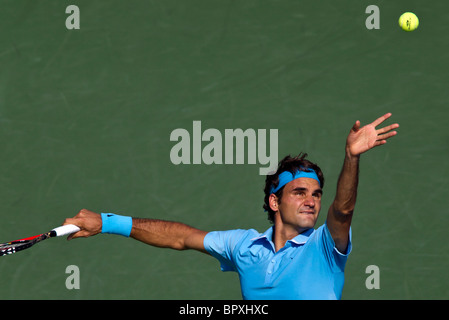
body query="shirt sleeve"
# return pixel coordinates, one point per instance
(222, 244)
(335, 258)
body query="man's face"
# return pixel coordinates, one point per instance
(300, 204)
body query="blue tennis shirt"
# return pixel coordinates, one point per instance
(308, 267)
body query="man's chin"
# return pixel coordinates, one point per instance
(308, 220)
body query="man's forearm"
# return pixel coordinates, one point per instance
(339, 216)
(348, 180)
(166, 234)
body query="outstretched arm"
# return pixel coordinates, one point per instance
(158, 233)
(167, 234)
(360, 140)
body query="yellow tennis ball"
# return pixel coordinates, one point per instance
(408, 21)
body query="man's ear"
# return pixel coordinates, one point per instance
(273, 202)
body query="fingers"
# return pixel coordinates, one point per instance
(387, 135)
(356, 126)
(387, 128)
(384, 133)
(381, 119)
(76, 222)
(382, 139)
(379, 143)
(88, 221)
(79, 234)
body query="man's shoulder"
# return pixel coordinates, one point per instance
(232, 237)
(235, 233)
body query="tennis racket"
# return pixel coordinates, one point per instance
(25, 243)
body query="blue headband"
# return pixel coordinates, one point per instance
(286, 176)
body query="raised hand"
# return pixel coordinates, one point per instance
(362, 139)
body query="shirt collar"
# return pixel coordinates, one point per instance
(298, 240)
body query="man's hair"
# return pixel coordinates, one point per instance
(292, 164)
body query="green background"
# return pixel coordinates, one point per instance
(86, 117)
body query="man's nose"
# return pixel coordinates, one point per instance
(310, 202)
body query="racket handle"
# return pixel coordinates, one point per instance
(65, 230)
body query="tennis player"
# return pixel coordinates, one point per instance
(291, 260)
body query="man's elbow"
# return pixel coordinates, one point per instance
(343, 211)
(179, 245)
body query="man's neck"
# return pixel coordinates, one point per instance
(281, 234)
